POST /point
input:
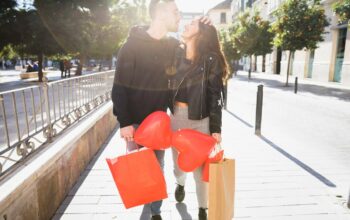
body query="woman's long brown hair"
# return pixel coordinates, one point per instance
(207, 42)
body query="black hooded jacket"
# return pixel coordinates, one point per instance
(141, 80)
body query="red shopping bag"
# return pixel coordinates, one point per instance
(138, 177)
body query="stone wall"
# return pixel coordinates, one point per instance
(38, 187)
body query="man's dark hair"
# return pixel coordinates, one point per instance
(153, 6)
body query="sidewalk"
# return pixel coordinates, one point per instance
(330, 89)
(269, 184)
(282, 79)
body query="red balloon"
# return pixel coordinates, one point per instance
(218, 157)
(154, 132)
(194, 148)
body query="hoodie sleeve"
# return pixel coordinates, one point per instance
(122, 81)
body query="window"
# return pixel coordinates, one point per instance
(249, 3)
(223, 18)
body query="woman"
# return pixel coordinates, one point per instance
(197, 102)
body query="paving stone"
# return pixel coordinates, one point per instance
(272, 181)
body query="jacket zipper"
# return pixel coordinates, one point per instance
(177, 90)
(202, 90)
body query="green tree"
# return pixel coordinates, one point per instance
(228, 47)
(252, 36)
(35, 38)
(38, 40)
(264, 44)
(7, 6)
(88, 28)
(246, 36)
(114, 31)
(24, 31)
(299, 24)
(71, 24)
(342, 9)
(7, 18)
(8, 52)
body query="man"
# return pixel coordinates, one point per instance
(141, 78)
(67, 67)
(61, 68)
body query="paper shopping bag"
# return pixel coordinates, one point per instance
(138, 177)
(216, 158)
(221, 190)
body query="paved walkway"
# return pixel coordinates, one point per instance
(272, 182)
(269, 185)
(281, 79)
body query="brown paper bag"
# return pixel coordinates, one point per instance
(221, 190)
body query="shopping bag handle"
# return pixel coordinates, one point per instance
(217, 148)
(135, 145)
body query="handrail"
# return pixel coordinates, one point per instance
(33, 116)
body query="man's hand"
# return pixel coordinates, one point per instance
(127, 133)
(217, 137)
(206, 20)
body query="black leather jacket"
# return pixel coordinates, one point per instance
(204, 92)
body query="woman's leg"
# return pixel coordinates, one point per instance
(180, 175)
(178, 121)
(201, 188)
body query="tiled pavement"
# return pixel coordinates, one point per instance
(292, 182)
(269, 186)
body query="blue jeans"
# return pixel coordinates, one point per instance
(155, 206)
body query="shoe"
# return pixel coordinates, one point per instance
(202, 214)
(156, 217)
(180, 193)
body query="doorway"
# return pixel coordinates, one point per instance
(340, 54)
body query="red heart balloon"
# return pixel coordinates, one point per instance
(194, 148)
(218, 157)
(154, 132)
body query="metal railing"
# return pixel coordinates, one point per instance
(32, 116)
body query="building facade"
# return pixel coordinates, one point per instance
(330, 62)
(221, 14)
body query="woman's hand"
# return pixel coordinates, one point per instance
(217, 137)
